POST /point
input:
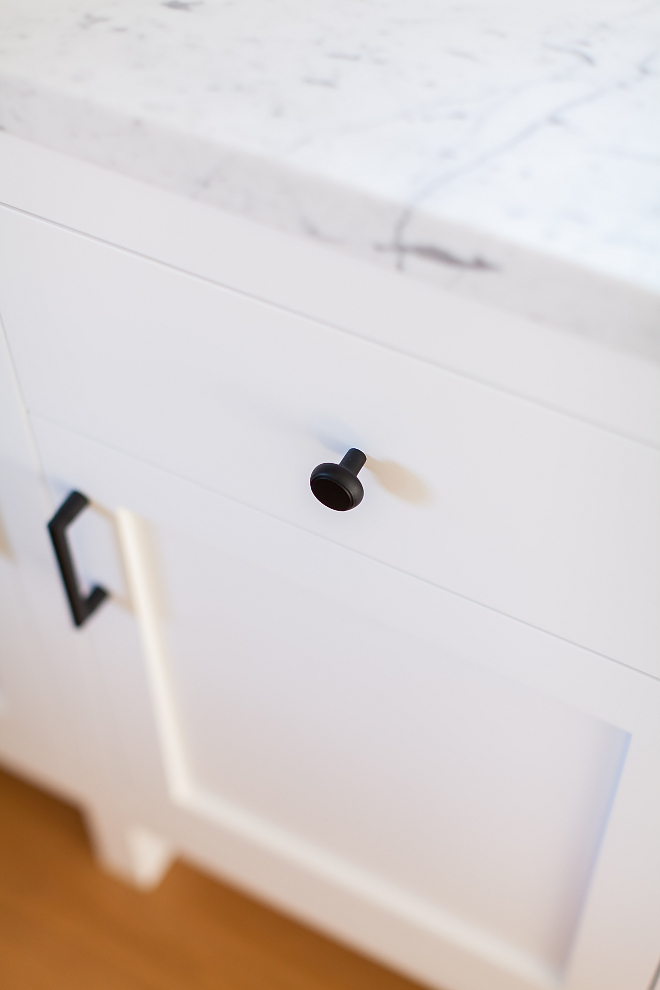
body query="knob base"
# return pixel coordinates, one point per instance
(336, 485)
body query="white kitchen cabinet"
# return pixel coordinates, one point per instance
(429, 726)
(446, 786)
(516, 506)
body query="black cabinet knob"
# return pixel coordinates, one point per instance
(337, 485)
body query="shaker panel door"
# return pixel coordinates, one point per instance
(466, 797)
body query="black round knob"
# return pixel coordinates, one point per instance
(337, 485)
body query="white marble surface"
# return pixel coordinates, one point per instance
(506, 150)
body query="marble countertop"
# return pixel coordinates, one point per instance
(504, 149)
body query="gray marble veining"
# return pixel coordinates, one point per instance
(506, 150)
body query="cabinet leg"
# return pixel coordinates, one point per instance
(136, 854)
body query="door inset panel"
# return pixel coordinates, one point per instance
(480, 796)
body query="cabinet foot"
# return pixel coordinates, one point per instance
(131, 852)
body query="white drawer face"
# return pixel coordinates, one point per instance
(512, 505)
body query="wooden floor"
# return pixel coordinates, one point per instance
(65, 925)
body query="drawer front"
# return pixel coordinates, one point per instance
(505, 502)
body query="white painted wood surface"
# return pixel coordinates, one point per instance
(510, 504)
(47, 704)
(56, 727)
(522, 356)
(297, 709)
(282, 708)
(35, 733)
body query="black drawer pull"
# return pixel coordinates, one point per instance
(81, 608)
(337, 485)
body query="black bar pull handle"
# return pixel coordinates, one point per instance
(81, 608)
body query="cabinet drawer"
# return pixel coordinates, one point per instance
(503, 501)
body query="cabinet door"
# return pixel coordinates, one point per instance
(454, 791)
(48, 727)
